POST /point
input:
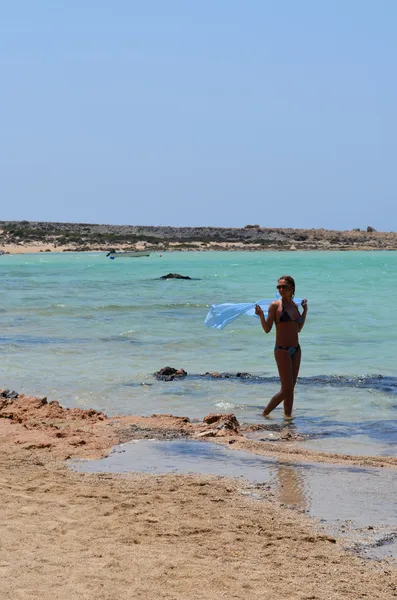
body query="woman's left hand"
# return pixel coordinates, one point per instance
(304, 304)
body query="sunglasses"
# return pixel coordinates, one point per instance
(283, 287)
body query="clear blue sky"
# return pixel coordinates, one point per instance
(210, 112)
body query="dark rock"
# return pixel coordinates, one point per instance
(7, 394)
(169, 374)
(216, 375)
(370, 229)
(174, 276)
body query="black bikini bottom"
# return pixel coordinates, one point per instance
(290, 349)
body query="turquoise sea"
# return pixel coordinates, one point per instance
(90, 332)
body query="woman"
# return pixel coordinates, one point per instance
(289, 322)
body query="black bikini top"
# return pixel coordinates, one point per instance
(285, 317)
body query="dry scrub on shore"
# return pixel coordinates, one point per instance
(29, 236)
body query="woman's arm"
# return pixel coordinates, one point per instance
(301, 324)
(267, 324)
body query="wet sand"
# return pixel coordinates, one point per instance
(328, 492)
(106, 536)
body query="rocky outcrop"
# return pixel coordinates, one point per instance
(169, 374)
(9, 395)
(228, 421)
(217, 375)
(27, 409)
(221, 425)
(174, 276)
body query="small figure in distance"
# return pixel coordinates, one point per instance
(287, 351)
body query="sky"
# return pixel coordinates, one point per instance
(199, 113)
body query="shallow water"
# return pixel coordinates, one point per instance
(349, 500)
(91, 332)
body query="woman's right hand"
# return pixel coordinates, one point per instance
(258, 310)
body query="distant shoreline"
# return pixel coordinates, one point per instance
(47, 249)
(28, 237)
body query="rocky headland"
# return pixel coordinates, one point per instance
(35, 236)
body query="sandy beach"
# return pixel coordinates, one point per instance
(104, 536)
(34, 248)
(27, 248)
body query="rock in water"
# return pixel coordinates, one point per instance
(169, 374)
(174, 276)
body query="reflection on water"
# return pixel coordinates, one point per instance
(290, 487)
(349, 499)
(361, 438)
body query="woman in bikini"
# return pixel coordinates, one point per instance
(289, 322)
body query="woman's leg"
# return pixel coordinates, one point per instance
(286, 394)
(289, 399)
(296, 363)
